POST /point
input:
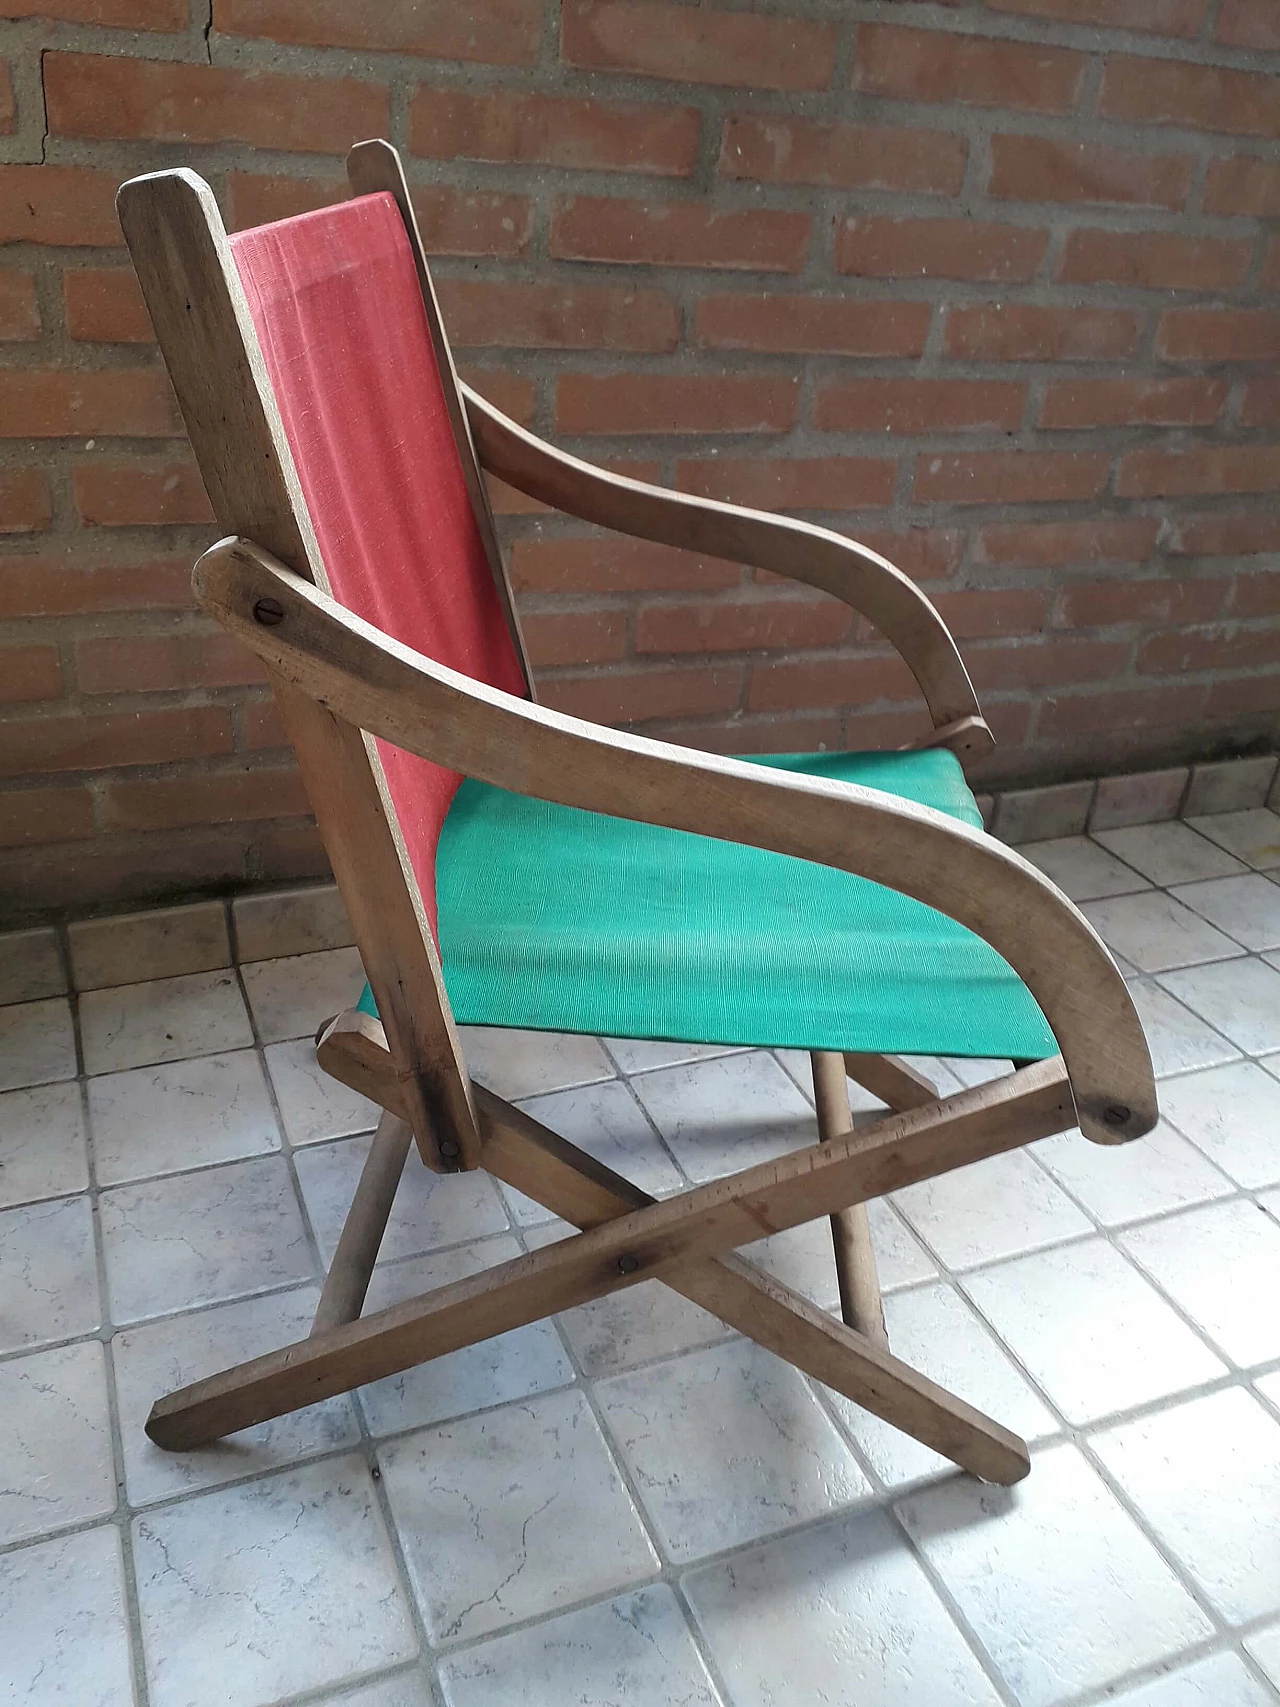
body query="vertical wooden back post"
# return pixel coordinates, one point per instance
(197, 305)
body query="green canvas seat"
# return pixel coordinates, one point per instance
(561, 920)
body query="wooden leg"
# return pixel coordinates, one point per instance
(347, 1281)
(890, 1079)
(860, 1303)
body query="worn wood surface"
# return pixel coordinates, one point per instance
(860, 1303)
(347, 1282)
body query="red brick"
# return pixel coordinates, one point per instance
(1193, 97)
(1249, 23)
(574, 637)
(1261, 405)
(167, 15)
(613, 565)
(777, 149)
(127, 494)
(25, 506)
(472, 222)
(154, 663)
(985, 613)
(696, 44)
(1256, 595)
(62, 205)
(105, 306)
(291, 853)
(1200, 468)
(637, 696)
(1238, 698)
(1049, 545)
(1155, 260)
(1270, 275)
(1137, 708)
(886, 731)
(19, 315)
(1103, 604)
(164, 101)
(776, 734)
(29, 672)
(1221, 535)
(1159, 17)
(1015, 332)
(124, 402)
(937, 65)
(503, 125)
(1218, 335)
(262, 725)
(817, 325)
(926, 554)
(253, 199)
(8, 107)
(170, 803)
(1009, 477)
(829, 681)
(764, 624)
(1243, 184)
(1052, 169)
(675, 403)
(510, 392)
(55, 584)
(79, 742)
(531, 316)
(679, 234)
(35, 816)
(1223, 648)
(919, 406)
(501, 32)
(792, 483)
(1133, 402)
(1054, 662)
(882, 247)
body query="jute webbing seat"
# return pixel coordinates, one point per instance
(506, 865)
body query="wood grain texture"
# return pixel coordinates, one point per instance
(420, 705)
(860, 1303)
(896, 1084)
(347, 1282)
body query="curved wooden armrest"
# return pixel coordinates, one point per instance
(840, 566)
(368, 679)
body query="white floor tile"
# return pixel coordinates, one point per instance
(179, 1115)
(841, 1614)
(266, 1577)
(1264, 1647)
(42, 1144)
(1126, 1182)
(314, 1105)
(640, 1055)
(48, 1273)
(636, 1648)
(30, 966)
(935, 1331)
(1222, 1680)
(803, 1257)
(295, 995)
(995, 1208)
(1168, 853)
(1081, 869)
(290, 921)
(1206, 1478)
(511, 1514)
(199, 1238)
(511, 1366)
(405, 1689)
(167, 1019)
(1090, 1330)
(1221, 1265)
(526, 1063)
(1179, 1040)
(37, 1044)
(721, 1116)
(725, 1446)
(1155, 933)
(1240, 998)
(429, 1209)
(153, 1359)
(63, 1629)
(1232, 1113)
(1246, 908)
(606, 1121)
(55, 1445)
(1252, 835)
(1057, 1581)
(129, 948)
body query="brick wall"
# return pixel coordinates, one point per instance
(993, 286)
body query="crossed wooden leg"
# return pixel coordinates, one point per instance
(683, 1241)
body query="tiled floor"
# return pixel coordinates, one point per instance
(632, 1507)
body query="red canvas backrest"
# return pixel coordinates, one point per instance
(335, 299)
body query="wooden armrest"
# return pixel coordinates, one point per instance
(849, 571)
(370, 680)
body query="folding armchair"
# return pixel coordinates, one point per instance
(506, 865)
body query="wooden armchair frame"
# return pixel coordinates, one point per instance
(340, 682)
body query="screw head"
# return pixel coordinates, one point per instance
(269, 612)
(449, 1148)
(628, 1264)
(1116, 1114)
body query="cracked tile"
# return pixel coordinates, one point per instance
(55, 1446)
(511, 1514)
(42, 1144)
(179, 1115)
(37, 1044)
(48, 1273)
(295, 995)
(64, 1632)
(265, 1577)
(166, 1019)
(315, 1106)
(727, 1114)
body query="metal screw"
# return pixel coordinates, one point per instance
(268, 612)
(628, 1264)
(449, 1148)
(1117, 1114)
